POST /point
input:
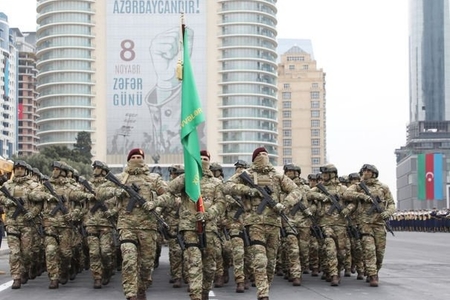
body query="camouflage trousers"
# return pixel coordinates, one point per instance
(201, 264)
(265, 240)
(58, 250)
(238, 253)
(20, 239)
(373, 243)
(357, 255)
(138, 248)
(100, 251)
(175, 259)
(334, 248)
(314, 261)
(224, 256)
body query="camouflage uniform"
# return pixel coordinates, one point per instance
(21, 230)
(99, 227)
(264, 228)
(202, 263)
(333, 223)
(137, 228)
(372, 225)
(58, 226)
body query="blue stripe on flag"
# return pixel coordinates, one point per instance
(438, 184)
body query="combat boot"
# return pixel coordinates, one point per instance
(373, 281)
(226, 276)
(247, 284)
(106, 276)
(315, 272)
(16, 284)
(33, 271)
(132, 298)
(141, 295)
(263, 298)
(360, 276)
(347, 273)
(97, 284)
(205, 295)
(218, 281)
(240, 287)
(297, 282)
(54, 284)
(176, 283)
(24, 278)
(335, 280)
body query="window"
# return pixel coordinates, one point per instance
(305, 67)
(291, 67)
(315, 95)
(287, 124)
(315, 123)
(287, 142)
(315, 161)
(287, 113)
(315, 132)
(315, 85)
(315, 151)
(286, 86)
(287, 104)
(315, 113)
(286, 95)
(315, 104)
(315, 142)
(287, 133)
(287, 152)
(288, 161)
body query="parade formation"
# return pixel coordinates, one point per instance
(258, 224)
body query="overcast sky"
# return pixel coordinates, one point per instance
(363, 48)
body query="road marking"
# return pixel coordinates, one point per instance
(6, 285)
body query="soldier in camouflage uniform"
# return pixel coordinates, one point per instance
(201, 258)
(333, 222)
(137, 228)
(21, 227)
(314, 261)
(58, 217)
(297, 244)
(99, 227)
(172, 218)
(235, 225)
(372, 225)
(264, 228)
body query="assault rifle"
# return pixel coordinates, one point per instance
(315, 228)
(240, 210)
(20, 208)
(352, 229)
(133, 192)
(267, 200)
(376, 206)
(18, 201)
(60, 206)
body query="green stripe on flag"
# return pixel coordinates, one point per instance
(421, 190)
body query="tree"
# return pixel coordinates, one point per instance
(82, 148)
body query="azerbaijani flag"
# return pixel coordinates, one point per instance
(429, 176)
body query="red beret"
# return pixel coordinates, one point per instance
(257, 151)
(135, 151)
(205, 153)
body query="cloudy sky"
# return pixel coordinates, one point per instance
(363, 48)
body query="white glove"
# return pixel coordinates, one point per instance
(279, 207)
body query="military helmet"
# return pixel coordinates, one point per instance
(343, 179)
(298, 169)
(215, 167)
(20, 163)
(330, 168)
(354, 176)
(371, 168)
(312, 177)
(58, 164)
(241, 164)
(176, 169)
(100, 165)
(288, 167)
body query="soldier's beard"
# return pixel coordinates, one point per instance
(261, 161)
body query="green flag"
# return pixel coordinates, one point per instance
(191, 116)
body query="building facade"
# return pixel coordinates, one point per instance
(429, 127)
(8, 90)
(301, 108)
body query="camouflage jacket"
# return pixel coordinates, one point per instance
(299, 219)
(95, 208)
(33, 195)
(213, 200)
(376, 188)
(269, 177)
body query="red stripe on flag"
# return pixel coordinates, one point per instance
(429, 176)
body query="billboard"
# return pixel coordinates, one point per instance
(143, 92)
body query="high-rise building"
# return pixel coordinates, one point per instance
(27, 105)
(65, 51)
(8, 90)
(428, 130)
(301, 107)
